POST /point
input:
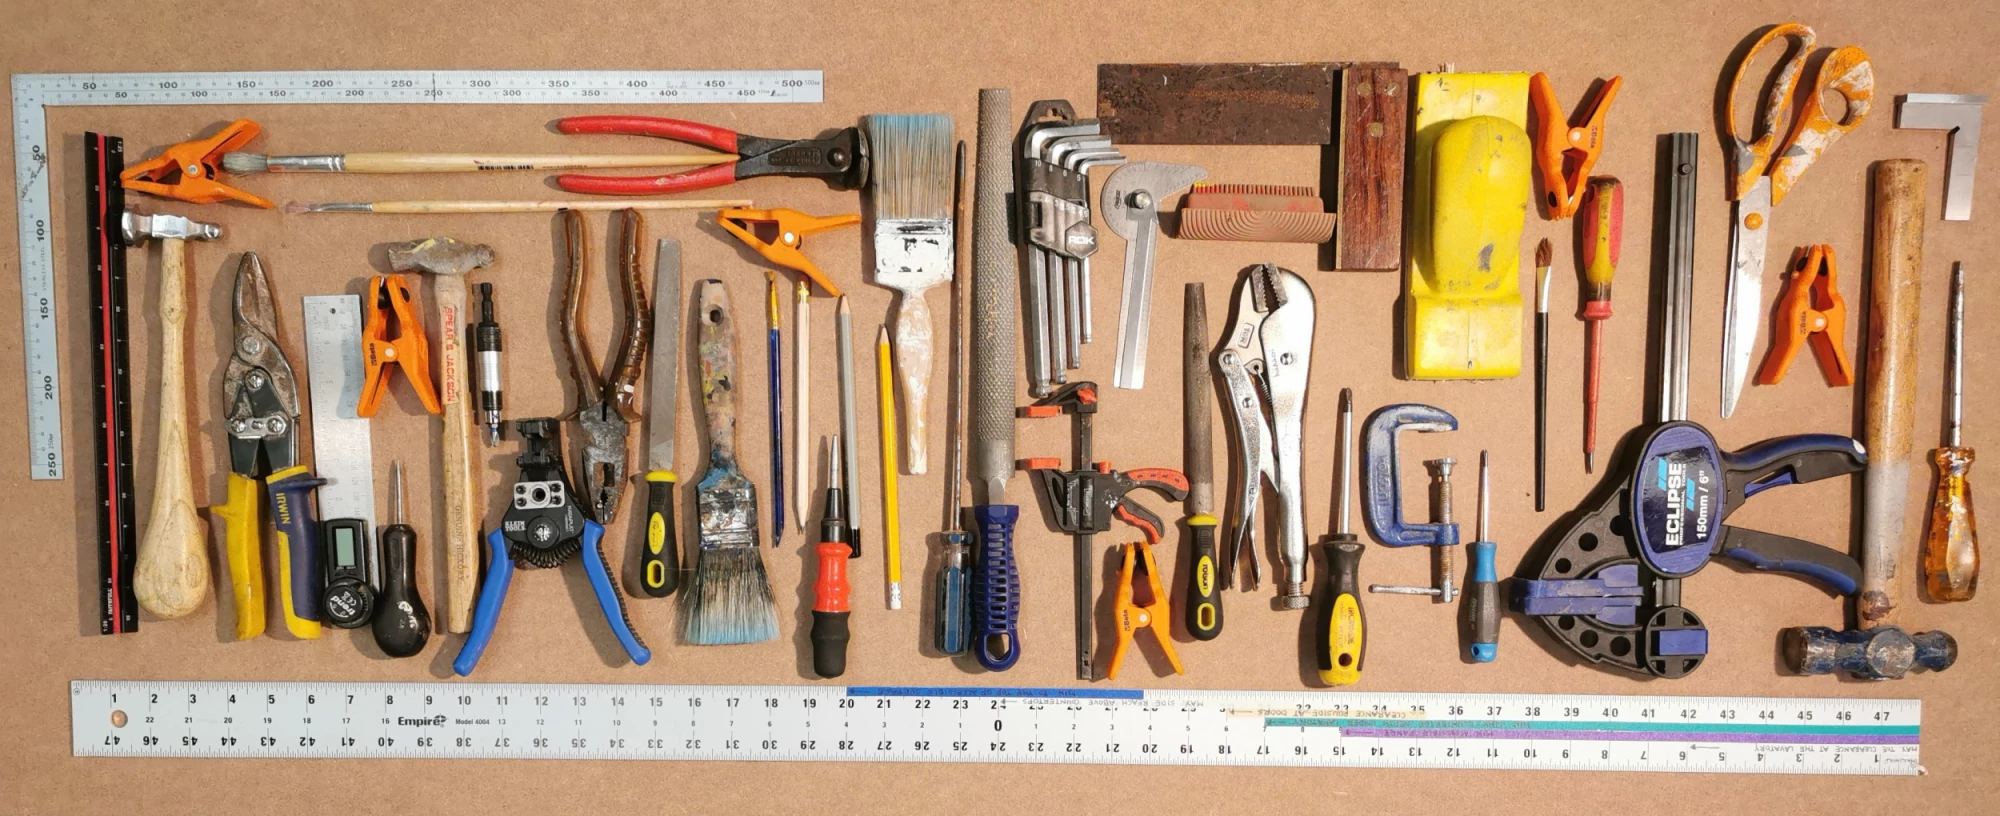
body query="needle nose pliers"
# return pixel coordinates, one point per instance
(604, 410)
(841, 159)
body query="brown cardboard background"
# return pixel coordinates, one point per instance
(925, 57)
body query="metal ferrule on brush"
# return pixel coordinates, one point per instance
(325, 163)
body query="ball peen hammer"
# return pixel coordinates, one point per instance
(171, 579)
(1879, 649)
(449, 262)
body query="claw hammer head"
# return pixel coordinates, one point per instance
(1381, 491)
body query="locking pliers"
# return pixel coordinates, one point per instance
(1265, 360)
(604, 410)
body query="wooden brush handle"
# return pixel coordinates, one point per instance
(716, 345)
(171, 579)
(1896, 231)
(474, 162)
(431, 207)
(913, 367)
(461, 482)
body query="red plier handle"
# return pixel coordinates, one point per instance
(679, 130)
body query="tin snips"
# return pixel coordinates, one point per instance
(1265, 359)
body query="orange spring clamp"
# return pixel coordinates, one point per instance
(408, 350)
(787, 230)
(1810, 309)
(187, 171)
(1565, 152)
(1133, 616)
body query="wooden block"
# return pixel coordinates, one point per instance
(1217, 103)
(1367, 186)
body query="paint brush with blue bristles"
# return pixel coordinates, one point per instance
(911, 180)
(729, 600)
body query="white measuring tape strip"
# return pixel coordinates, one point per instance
(33, 93)
(147, 718)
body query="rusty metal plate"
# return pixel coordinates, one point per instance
(1218, 103)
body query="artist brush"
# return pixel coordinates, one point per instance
(454, 162)
(774, 342)
(445, 207)
(892, 532)
(1544, 258)
(801, 397)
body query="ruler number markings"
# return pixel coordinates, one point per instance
(33, 93)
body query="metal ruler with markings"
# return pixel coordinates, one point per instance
(343, 450)
(150, 718)
(33, 93)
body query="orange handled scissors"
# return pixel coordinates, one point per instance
(1768, 162)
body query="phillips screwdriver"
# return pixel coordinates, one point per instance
(1339, 641)
(402, 623)
(1603, 230)
(486, 343)
(1951, 548)
(830, 589)
(1482, 597)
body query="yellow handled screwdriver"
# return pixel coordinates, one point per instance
(1339, 642)
(1951, 549)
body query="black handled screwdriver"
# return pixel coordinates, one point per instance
(402, 624)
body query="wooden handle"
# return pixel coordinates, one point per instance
(1896, 231)
(431, 207)
(474, 162)
(172, 577)
(461, 482)
(716, 345)
(913, 367)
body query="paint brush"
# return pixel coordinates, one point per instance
(729, 599)
(911, 183)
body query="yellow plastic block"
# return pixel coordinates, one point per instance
(1468, 203)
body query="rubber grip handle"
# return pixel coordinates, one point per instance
(679, 130)
(1603, 225)
(1341, 637)
(996, 588)
(402, 622)
(597, 566)
(711, 176)
(1483, 604)
(1794, 459)
(1776, 553)
(243, 528)
(953, 616)
(830, 610)
(1204, 592)
(660, 558)
(492, 593)
(299, 579)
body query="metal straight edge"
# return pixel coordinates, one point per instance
(1683, 169)
(343, 452)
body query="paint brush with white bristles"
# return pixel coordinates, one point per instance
(911, 178)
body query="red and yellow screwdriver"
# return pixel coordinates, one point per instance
(1603, 224)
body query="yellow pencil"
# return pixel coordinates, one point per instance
(892, 534)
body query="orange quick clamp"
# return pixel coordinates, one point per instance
(408, 350)
(1133, 617)
(1811, 308)
(788, 229)
(187, 171)
(1565, 152)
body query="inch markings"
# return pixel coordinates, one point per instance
(1013, 725)
(34, 93)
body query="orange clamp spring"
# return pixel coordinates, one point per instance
(187, 171)
(408, 350)
(788, 229)
(1565, 152)
(1132, 616)
(1810, 309)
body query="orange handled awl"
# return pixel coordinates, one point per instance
(1603, 229)
(1811, 309)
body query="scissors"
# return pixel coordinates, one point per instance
(1766, 168)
